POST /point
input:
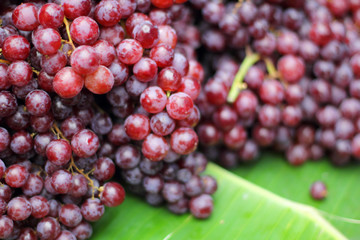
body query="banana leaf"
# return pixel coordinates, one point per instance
(242, 210)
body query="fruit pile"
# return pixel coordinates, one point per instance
(281, 75)
(97, 93)
(86, 87)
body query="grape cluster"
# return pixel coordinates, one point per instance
(282, 75)
(86, 87)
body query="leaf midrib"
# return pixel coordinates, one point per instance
(299, 208)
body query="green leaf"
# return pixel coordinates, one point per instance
(275, 174)
(242, 211)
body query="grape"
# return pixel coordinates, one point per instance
(101, 81)
(145, 69)
(25, 17)
(318, 190)
(127, 157)
(20, 73)
(82, 231)
(60, 143)
(76, 8)
(40, 206)
(104, 169)
(155, 147)
(48, 227)
(6, 226)
(38, 102)
(58, 152)
(51, 15)
(61, 181)
(85, 143)
(112, 195)
(84, 30)
(16, 176)
(70, 215)
(162, 54)
(19, 209)
(67, 83)
(201, 206)
(179, 106)
(47, 41)
(129, 51)
(153, 99)
(92, 209)
(184, 141)
(106, 52)
(53, 63)
(16, 47)
(84, 60)
(108, 13)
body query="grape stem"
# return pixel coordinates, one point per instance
(273, 73)
(55, 129)
(5, 61)
(238, 5)
(271, 68)
(67, 26)
(97, 107)
(35, 71)
(122, 23)
(238, 83)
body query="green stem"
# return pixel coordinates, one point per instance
(271, 68)
(240, 75)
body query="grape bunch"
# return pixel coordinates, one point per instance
(93, 93)
(281, 75)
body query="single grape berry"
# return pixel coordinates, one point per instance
(84, 60)
(169, 79)
(201, 206)
(101, 81)
(70, 215)
(6, 227)
(127, 156)
(19, 209)
(48, 227)
(108, 13)
(19, 73)
(61, 181)
(51, 15)
(40, 206)
(104, 169)
(67, 83)
(16, 47)
(162, 124)
(92, 209)
(47, 41)
(112, 195)
(58, 152)
(38, 102)
(179, 105)
(155, 147)
(153, 99)
(184, 141)
(84, 30)
(85, 143)
(129, 51)
(16, 175)
(76, 8)
(25, 17)
(318, 190)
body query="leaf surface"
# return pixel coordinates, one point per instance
(273, 173)
(242, 211)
